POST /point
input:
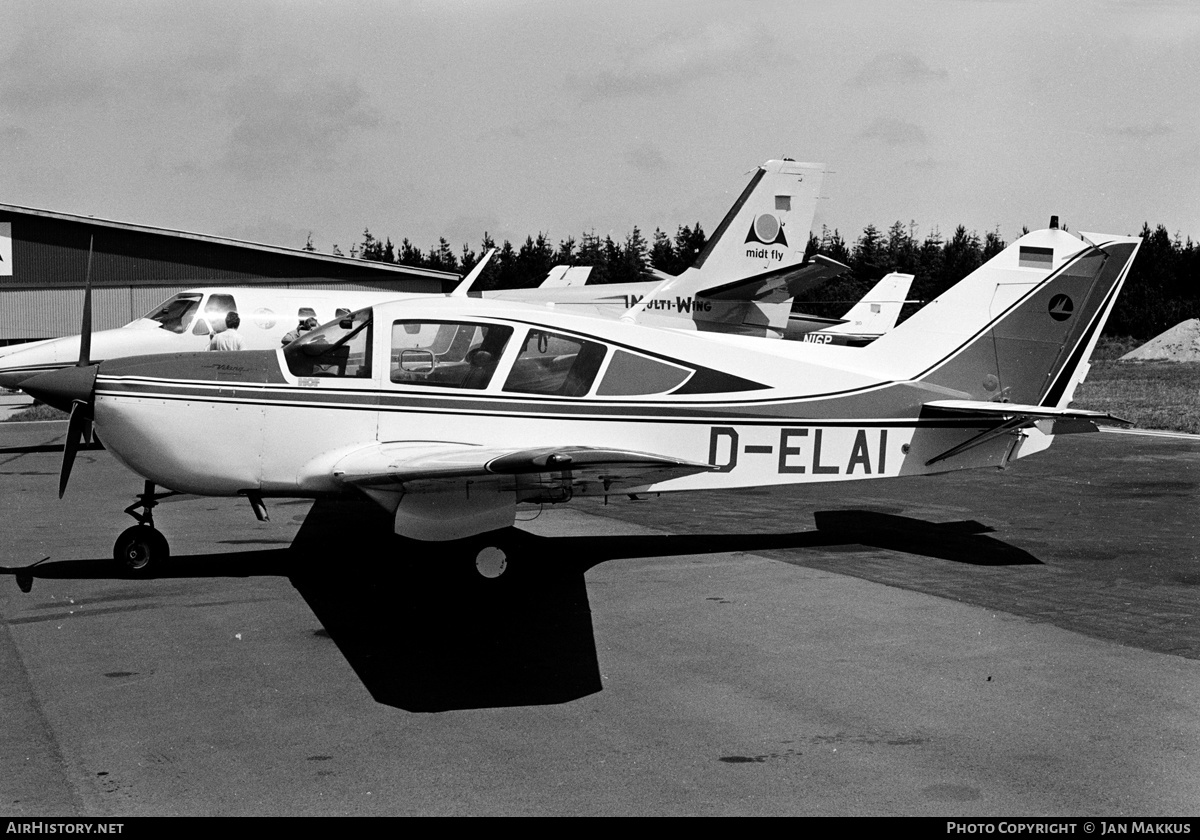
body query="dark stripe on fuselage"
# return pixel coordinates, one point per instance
(233, 367)
(379, 401)
(568, 404)
(476, 401)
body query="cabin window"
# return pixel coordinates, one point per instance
(177, 313)
(555, 364)
(218, 306)
(446, 354)
(630, 375)
(340, 348)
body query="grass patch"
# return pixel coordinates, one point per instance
(1154, 395)
(37, 412)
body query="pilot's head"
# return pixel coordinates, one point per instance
(308, 324)
(232, 321)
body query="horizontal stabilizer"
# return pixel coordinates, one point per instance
(1013, 417)
(778, 285)
(562, 276)
(1031, 412)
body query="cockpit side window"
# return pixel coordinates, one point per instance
(340, 348)
(218, 306)
(632, 374)
(446, 354)
(551, 363)
(177, 313)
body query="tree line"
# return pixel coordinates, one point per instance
(1163, 287)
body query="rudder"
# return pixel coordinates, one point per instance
(1020, 328)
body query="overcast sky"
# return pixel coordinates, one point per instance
(265, 119)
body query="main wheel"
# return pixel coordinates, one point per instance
(140, 547)
(496, 556)
(491, 561)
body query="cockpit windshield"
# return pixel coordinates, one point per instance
(177, 313)
(339, 348)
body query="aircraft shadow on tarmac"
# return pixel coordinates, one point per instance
(425, 635)
(958, 542)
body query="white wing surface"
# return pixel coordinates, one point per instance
(447, 490)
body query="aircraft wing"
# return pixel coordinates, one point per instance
(1012, 417)
(582, 470)
(778, 285)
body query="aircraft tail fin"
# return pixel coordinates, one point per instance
(878, 310)
(1020, 328)
(762, 238)
(768, 226)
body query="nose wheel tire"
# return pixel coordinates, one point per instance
(140, 548)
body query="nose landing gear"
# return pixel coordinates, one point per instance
(141, 547)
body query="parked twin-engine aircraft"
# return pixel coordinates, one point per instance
(743, 282)
(450, 412)
(187, 321)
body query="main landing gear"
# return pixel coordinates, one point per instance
(141, 547)
(495, 556)
(491, 561)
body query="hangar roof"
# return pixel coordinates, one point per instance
(155, 250)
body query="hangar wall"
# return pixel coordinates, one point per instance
(44, 263)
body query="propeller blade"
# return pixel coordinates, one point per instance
(76, 426)
(85, 332)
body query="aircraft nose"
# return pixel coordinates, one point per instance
(61, 388)
(12, 379)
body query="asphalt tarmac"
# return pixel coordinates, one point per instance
(1016, 643)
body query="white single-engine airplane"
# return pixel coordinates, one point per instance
(450, 412)
(738, 284)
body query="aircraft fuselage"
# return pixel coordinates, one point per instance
(757, 412)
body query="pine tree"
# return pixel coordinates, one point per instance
(410, 255)
(371, 249)
(689, 242)
(868, 254)
(633, 258)
(833, 246)
(993, 244)
(565, 255)
(662, 252)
